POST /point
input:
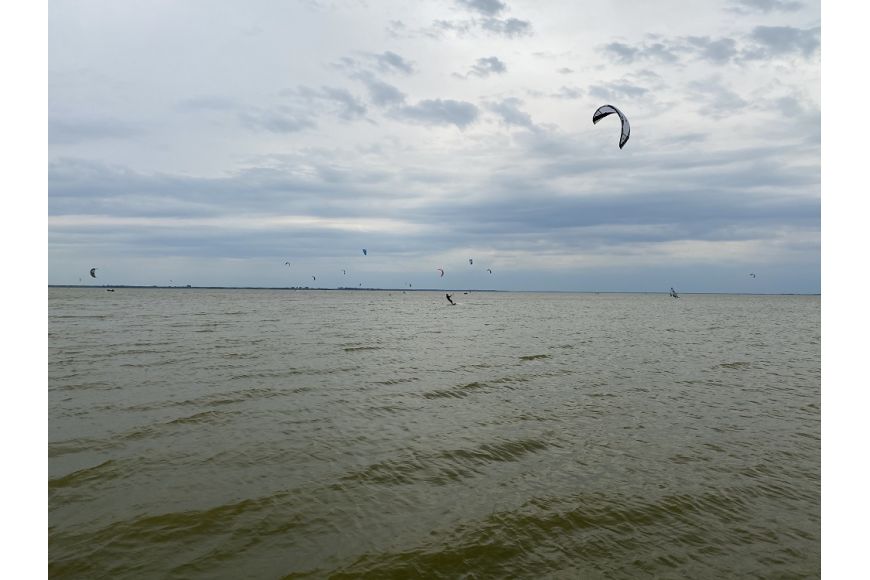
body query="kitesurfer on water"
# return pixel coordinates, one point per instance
(450, 300)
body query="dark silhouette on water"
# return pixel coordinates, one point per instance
(673, 293)
(450, 300)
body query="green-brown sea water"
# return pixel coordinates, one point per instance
(344, 434)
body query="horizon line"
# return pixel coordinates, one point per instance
(347, 288)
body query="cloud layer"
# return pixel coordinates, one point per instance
(431, 136)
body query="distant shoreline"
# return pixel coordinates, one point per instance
(308, 288)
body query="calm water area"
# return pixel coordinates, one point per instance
(232, 434)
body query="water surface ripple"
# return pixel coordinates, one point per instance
(304, 434)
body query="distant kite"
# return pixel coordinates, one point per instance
(288, 264)
(344, 272)
(605, 110)
(470, 262)
(488, 270)
(753, 275)
(314, 277)
(442, 272)
(365, 252)
(93, 273)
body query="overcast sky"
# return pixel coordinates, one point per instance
(209, 142)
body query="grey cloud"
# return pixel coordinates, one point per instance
(509, 112)
(348, 106)
(512, 27)
(765, 6)
(706, 203)
(782, 40)
(716, 51)
(382, 94)
(684, 139)
(87, 187)
(656, 51)
(441, 112)
(346, 63)
(721, 196)
(386, 62)
(487, 7)
(661, 215)
(716, 99)
(568, 93)
(66, 131)
(487, 66)
(208, 103)
(763, 42)
(301, 108)
(791, 106)
(565, 71)
(392, 62)
(300, 185)
(804, 115)
(204, 241)
(306, 104)
(616, 90)
(275, 121)
(623, 52)
(458, 27)
(397, 29)
(660, 52)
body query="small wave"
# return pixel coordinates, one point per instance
(396, 381)
(105, 471)
(446, 466)
(201, 418)
(385, 409)
(457, 392)
(98, 316)
(246, 518)
(509, 380)
(73, 446)
(157, 429)
(358, 348)
(735, 365)
(245, 355)
(284, 373)
(535, 357)
(498, 452)
(589, 532)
